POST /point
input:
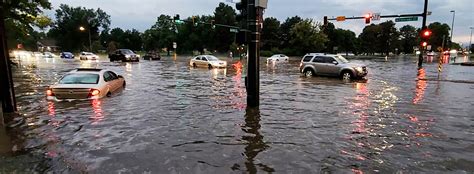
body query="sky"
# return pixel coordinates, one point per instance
(142, 14)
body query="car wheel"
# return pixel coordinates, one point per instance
(209, 66)
(194, 65)
(109, 94)
(124, 84)
(346, 75)
(278, 60)
(308, 72)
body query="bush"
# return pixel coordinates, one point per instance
(265, 53)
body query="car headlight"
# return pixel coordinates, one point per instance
(127, 56)
(359, 69)
(138, 56)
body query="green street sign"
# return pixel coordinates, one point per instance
(406, 19)
(233, 30)
(178, 21)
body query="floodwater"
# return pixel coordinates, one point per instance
(175, 119)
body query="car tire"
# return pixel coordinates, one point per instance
(347, 75)
(109, 94)
(194, 65)
(308, 72)
(209, 66)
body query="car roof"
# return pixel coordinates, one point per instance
(88, 70)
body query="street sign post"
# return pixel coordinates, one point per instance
(376, 16)
(406, 19)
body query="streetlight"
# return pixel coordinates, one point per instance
(470, 40)
(452, 29)
(90, 41)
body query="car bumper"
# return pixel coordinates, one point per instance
(130, 60)
(53, 98)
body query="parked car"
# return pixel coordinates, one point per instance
(86, 84)
(66, 55)
(208, 61)
(277, 58)
(152, 55)
(88, 56)
(331, 65)
(48, 55)
(124, 55)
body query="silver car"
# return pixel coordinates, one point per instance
(331, 65)
(208, 61)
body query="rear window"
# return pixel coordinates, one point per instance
(307, 58)
(80, 79)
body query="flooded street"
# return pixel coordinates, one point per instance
(171, 118)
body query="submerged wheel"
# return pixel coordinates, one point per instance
(194, 65)
(308, 72)
(209, 66)
(346, 75)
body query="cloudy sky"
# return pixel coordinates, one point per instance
(141, 14)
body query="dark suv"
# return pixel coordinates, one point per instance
(331, 65)
(124, 55)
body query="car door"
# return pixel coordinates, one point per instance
(197, 61)
(117, 82)
(331, 68)
(318, 64)
(204, 61)
(109, 79)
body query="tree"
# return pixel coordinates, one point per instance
(284, 33)
(438, 31)
(224, 14)
(69, 19)
(20, 18)
(306, 37)
(368, 38)
(165, 30)
(270, 40)
(387, 37)
(408, 38)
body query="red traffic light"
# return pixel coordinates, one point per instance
(426, 33)
(367, 18)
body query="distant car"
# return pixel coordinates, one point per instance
(66, 55)
(152, 55)
(331, 65)
(37, 54)
(86, 84)
(48, 55)
(124, 55)
(430, 54)
(208, 61)
(277, 58)
(88, 56)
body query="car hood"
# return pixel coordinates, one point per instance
(75, 86)
(218, 61)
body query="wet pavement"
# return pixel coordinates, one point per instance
(175, 119)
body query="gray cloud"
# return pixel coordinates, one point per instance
(141, 14)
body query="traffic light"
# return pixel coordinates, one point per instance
(426, 33)
(424, 44)
(242, 7)
(367, 18)
(325, 21)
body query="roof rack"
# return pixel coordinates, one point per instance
(88, 69)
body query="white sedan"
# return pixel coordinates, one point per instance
(88, 56)
(208, 61)
(277, 58)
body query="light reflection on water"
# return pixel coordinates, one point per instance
(173, 118)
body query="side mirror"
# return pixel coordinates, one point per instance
(120, 76)
(335, 62)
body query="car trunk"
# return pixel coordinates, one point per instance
(71, 93)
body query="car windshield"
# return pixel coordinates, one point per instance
(212, 58)
(127, 52)
(80, 79)
(341, 59)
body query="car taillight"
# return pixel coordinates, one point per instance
(49, 92)
(94, 92)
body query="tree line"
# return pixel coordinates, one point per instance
(294, 36)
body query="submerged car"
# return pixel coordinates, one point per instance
(277, 58)
(84, 83)
(66, 55)
(124, 55)
(331, 65)
(152, 55)
(48, 55)
(88, 56)
(208, 61)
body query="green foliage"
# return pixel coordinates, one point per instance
(265, 53)
(68, 21)
(381, 38)
(306, 37)
(224, 14)
(438, 31)
(270, 36)
(409, 38)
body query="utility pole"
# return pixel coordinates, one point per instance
(423, 27)
(7, 92)
(470, 41)
(452, 30)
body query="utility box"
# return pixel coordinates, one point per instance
(261, 3)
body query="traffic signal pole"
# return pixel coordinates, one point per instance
(7, 93)
(423, 27)
(253, 74)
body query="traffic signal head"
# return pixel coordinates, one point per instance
(367, 18)
(426, 33)
(424, 43)
(242, 7)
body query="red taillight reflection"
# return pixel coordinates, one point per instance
(49, 92)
